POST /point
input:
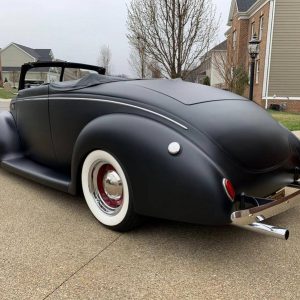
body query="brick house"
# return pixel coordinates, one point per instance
(15, 55)
(277, 24)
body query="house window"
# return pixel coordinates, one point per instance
(261, 27)
(234, 40)
(249, 73)
(252, 30)
(257, 71)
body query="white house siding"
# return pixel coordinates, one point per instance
(29, 76)
(12, 56)
(285, 58)
(36, 76)
(42, 76)
(215, 78)
(53, 77)
(6, 76)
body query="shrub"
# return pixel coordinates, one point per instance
(206, 81)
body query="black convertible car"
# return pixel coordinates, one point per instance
(161, 148)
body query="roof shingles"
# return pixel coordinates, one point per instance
(244, 5)
(38, 54)
(221, 46)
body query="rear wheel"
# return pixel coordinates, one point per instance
(107, 192)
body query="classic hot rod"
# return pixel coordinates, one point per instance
(162, 148)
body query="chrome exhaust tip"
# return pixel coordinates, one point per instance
(270, 230)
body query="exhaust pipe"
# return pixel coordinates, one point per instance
(275, 231)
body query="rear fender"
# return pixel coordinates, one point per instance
(184, 187)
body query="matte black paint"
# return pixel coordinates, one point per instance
(10, 146)
(157, 191)
(52, 130)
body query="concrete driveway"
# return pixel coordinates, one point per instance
(53, 248)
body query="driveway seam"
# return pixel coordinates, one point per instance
(84, 265)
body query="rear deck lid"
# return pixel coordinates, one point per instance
(186, 92)
(244, 131)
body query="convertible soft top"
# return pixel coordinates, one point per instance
(174, 88)
(186, 92)
(84, 82)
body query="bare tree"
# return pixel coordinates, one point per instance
(154, 69)
(234, 76)
(14, 77)
(104, 59)
(138, 62)
(173, 33)
(142, 67)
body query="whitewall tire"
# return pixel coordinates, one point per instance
(106, 191)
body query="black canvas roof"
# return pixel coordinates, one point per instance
(244, 5)
(86, 81)
(186, 92)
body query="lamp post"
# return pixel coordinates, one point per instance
(253, 48)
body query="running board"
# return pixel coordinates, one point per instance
(38, 173)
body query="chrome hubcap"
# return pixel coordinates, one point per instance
(106, 187)
(112, 185)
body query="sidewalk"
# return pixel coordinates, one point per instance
(4, 104)
(296, 133)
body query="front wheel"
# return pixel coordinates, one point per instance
(107, 192)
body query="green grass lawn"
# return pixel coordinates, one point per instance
(6, 95)
(289, 120)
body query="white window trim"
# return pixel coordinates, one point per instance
(282, 98)
(257, 71)
(252, 29)
(234, 40)
(249, 73)
(261, 27)
(268, 56)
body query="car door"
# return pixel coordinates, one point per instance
(68, 115)
(33, 125)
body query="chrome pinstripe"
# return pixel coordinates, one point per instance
(113, 102)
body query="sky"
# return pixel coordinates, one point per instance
(75, 30)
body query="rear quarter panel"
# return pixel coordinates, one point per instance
(186, 187)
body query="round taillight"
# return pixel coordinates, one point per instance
(229, 189)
